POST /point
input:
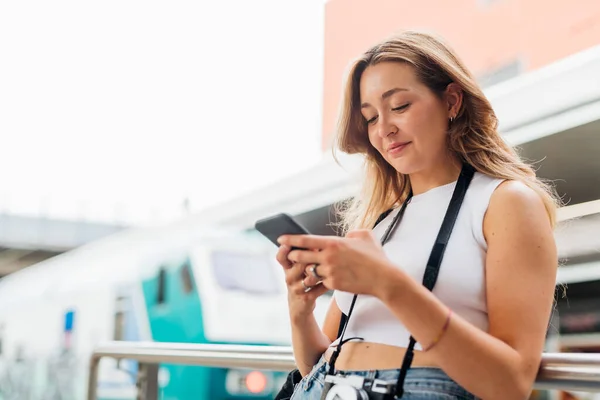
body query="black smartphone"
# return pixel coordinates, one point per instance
(280, 224)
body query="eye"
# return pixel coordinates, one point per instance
(403, 107)
(371, 120)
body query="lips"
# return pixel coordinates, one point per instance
(397, 147)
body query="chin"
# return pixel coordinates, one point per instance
(405, 166)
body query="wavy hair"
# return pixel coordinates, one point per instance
(473, 135)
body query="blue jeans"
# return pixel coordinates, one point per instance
(421, 383)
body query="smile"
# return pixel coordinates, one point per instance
(397, 148)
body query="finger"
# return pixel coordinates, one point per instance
(305, 241)
(311, 280)
(312, 270)
(302, 287)
(317, 291)
(304, 256)
(282, 256)
(294, 274)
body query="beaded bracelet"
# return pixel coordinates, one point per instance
(444, 329)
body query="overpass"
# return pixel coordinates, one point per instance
(26, 240)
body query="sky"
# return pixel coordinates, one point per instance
(116, 111)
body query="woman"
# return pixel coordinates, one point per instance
(418, 116)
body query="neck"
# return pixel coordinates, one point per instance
(440, 174)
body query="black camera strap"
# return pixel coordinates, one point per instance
(431, 270)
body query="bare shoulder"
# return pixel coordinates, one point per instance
(515, 193)
(515, 198)
(514, 206)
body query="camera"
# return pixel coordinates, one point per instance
(357, 388)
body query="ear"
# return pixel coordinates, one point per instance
(454, 98)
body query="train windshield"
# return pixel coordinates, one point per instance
(245, 272)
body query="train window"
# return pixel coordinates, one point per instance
(246, 272)
(162, 283)
(186, 277)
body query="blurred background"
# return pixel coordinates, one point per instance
(142, 140)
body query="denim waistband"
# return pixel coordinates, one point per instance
(417, 378)
(413, 372)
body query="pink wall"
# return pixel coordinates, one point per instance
(485, 36)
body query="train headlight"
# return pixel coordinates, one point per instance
(256, 382)
(240, 382)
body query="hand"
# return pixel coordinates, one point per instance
(301, 301)
(355, 264)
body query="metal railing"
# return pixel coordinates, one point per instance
(563, 371)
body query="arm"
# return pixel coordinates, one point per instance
(520, 279)
(332, 321)
(308, 341)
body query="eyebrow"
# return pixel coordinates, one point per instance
(385, 95)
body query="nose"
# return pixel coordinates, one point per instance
(386, 128)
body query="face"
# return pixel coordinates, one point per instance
(406, 122)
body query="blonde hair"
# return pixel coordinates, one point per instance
(473, 135)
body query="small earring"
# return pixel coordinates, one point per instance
(451, 119)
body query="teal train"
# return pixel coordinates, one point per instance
(170, 284)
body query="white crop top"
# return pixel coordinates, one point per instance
(461, 280)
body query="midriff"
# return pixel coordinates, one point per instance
(366, 356)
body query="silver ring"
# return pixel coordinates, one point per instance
(306, 288)
(313, 271)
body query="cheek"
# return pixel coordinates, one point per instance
(427, 128)
(375, 139)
